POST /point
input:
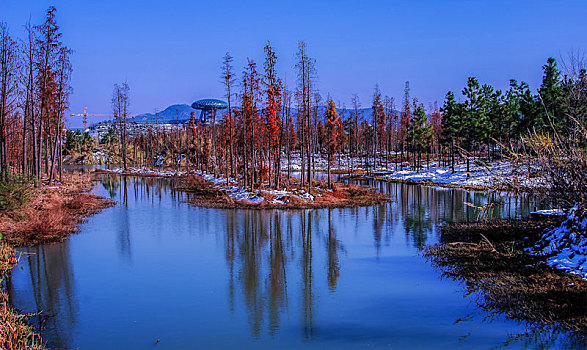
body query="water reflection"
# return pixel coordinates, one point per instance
(52, 283)
(297, 277)
(123, 222)
(333, 247)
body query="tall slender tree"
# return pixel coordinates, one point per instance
(334, 135)
(306, 72)
(273, 92)
(8, 91)
(228, 79)
(120, 109)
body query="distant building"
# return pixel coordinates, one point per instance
(208, 107)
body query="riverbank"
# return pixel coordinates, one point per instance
(496, 176)
(15, 331)
(52, 213)
(32, 216)
(143, 171)
(493, 260)
(481, 176)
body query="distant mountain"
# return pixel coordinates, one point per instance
(173, 114)
(180, 113)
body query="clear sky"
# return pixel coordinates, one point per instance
(171, 51)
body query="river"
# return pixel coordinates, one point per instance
(156, 272)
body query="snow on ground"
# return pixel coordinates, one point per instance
(344, 162)
(147, 171)
(566, 245)
(479, 175)
(548, 212)
(493, 174)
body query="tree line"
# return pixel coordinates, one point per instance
(267, 125)
(35, 75)
(491, 121)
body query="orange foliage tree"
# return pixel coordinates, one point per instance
(334, 134)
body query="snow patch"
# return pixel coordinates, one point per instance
(566, 245)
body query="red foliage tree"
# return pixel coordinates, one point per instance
(272, 110)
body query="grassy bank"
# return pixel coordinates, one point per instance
(47, 213)
(491, 258)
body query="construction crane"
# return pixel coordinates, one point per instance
(85, 116)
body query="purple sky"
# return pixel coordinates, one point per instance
(170, 51)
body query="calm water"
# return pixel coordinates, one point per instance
(154, 267)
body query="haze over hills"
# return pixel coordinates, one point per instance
(180, 113)
(173, 114)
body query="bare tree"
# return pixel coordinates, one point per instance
(228, 78)
(306, 76)
(575, 86)
(120, 109)
(29, 106)
(8, 91)
(62, 92)
(355, 129)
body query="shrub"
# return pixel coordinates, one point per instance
(14, 194)
(52, 225)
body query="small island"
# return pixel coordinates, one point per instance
(209, 191)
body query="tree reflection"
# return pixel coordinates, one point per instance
(333, 262)
(277, 274)
(250, 247)
(260, 247)
(263, 249)
(110, 184)
(54, 294)
(124, 223)
(307, 295)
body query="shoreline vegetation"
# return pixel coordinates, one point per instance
(209, 191)
(493, 260)
(51, 213)
(32, 216)
(15, 330)
(209, 194)
(530, 270)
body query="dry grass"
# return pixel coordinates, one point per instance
(54, 212)
(15, 332)
(51, 218)
(509, 280)
(7, 258)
